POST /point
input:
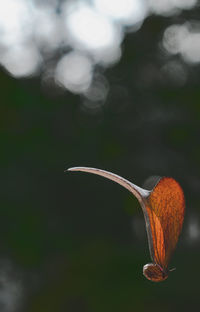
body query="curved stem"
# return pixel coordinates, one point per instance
(137, 191)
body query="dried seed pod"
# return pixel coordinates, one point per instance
(163, 207)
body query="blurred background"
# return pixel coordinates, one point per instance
(112, 84)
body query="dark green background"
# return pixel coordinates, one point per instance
(70, 236)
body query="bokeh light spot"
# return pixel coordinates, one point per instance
(49, 34)
(170, 7)
(128, 12)
(15, 21)
(193, 230)
(90, 30)
(21, 61)
(190, 48)
(184, 40)
(163, 7)
(184, 4)
(173, 37)
(74, 72)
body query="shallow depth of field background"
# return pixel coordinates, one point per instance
(113, 84)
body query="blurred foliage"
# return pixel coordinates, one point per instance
(72, 235)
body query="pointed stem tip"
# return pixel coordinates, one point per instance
(73, 169)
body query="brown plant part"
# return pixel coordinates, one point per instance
(163, 207)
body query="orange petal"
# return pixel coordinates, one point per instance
(165, 208)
